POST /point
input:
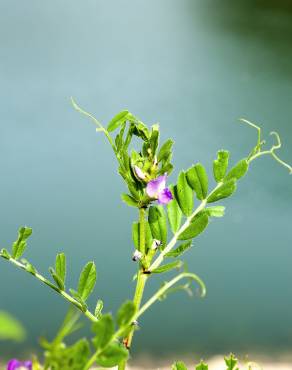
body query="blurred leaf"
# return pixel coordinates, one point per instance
(196, 227)
(184, 195)
(231, 362)
(112, 355)
(174, 213)
(198, 180)
(104, 331)
(158, 223)
(223, 191)
(11, 328)
(87, 280)
(118, 120)
(126, 313)
(19, 245)
(98, 308)
(179, 250)
(179, 366)
(238, 171)
(202, 366)
(168, 267)
(220, 165)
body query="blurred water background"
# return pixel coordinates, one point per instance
(194, 66)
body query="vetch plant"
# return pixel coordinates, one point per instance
(169, 218)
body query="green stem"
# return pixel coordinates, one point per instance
(141, 281)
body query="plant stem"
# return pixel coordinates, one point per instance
(141, 281)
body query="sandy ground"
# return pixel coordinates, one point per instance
(217, 363)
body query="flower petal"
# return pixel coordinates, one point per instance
(165, 196)
(154, 187)
(140, 174)
(14, 364)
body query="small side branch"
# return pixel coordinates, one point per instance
(163, 290)
(45, 281)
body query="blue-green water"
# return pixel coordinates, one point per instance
(194, 66)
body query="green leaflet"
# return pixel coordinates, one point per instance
(20, 244)
(118, 120)
(168, 267)
(136, 233)
(202, 366)
(179, 250)
(57, 278)
(220, 165)
(112, 355)
(87, 280)
(196, 227)
(158, 223)
(126, 313)
(154, 139)
(129, 200)
(198, 180)
(184, 195)
(5, 254)
(223, 191)
(173, 212)
(215, 211)
(238, 171)
(98, 308)
(104, 331)
(61, 266)
(165, 150)
(179, 366)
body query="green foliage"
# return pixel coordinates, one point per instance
(138, 166)
(231, 362)
(174, 212)
(184, 195)
(201, 366)
(112, 355)
(20, 244)
(220, 165)
(98, 309)
(168, 267)
(104, 331)
(196, 227)
(223, 191)
(118, 120)
(179, 366)
(182, 248)
(126, 313)
(11, 328)
(158, 223)
(60, 267)
(87, 280)
(198, 180)
(238, 171)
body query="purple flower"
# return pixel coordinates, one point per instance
(14, 364)
(157, 189)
